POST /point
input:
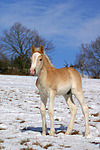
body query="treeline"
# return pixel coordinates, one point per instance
(15, 46)
(88, 59)
(15, 49)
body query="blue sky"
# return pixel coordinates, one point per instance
(68, 23)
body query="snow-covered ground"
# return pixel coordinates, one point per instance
(20, 119)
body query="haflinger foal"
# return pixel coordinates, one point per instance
(50, 82)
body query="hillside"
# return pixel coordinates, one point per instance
(20, 119)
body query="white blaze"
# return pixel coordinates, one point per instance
(34, 59)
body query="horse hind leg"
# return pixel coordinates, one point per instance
(80, 97)
(73, 109)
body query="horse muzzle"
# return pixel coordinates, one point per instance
(33, 71)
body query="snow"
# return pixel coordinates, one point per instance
(21, 124)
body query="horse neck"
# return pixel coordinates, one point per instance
(47, 65)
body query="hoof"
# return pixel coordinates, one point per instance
(68, 133)
(87, 133)
(43, 133)
(52, 133)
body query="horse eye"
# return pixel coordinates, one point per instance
(40, 59)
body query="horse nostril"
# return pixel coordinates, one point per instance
(32, 71)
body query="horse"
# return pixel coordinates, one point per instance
(51, 82)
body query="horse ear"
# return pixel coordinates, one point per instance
(41, 49)
(32, 49)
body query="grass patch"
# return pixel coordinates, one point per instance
(1, 141)
(22, 121)
(26, 149)
(92, 125)
(23, 142)
(97, 120)
(45, 147)
(37, 143)
(75, 132)
(65, 146)
(95, 115)
(2, 147)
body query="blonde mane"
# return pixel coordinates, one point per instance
(49, 60)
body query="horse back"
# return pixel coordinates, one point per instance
(66, 79)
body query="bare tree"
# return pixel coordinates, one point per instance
(17, 41)
(89, 58)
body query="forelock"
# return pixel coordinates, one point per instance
(35, 56)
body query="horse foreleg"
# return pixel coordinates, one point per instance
(51, 111)
(73, 110)
(43, 110)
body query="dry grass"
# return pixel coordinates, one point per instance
(45, 147)
(97, 120)
(75, 132)
(95, 115)
(22, 121)
(1, 141)
(2, 147)
(2, 129)
(92, 125)
(63, 146)
(56, 119)
(27, 149)
(37, 107)
(23, 142)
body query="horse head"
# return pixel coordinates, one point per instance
(36, 60)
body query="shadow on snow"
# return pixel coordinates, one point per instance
(39, 129)
(61, 129)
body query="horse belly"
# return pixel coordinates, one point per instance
(63, 89)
